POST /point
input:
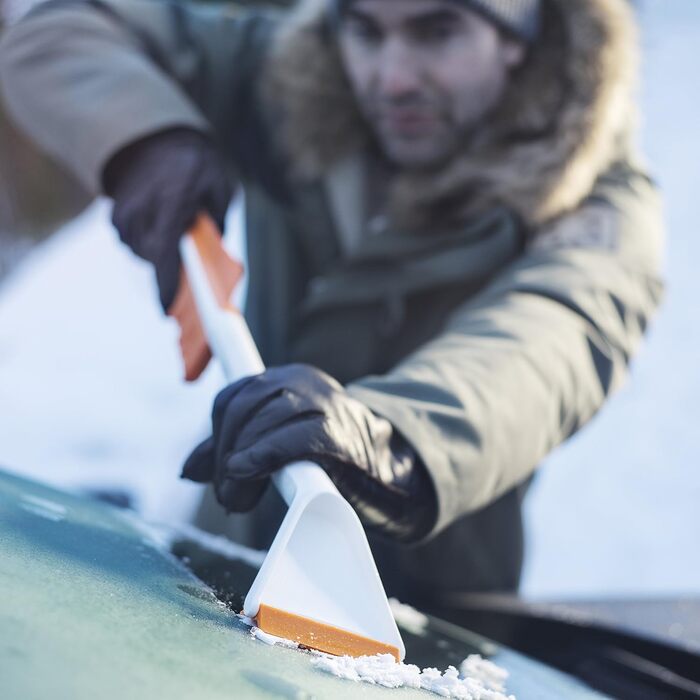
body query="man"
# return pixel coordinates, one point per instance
(452, 253)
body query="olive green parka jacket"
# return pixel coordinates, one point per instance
(493, 314)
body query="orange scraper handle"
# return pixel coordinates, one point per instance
(224, 274)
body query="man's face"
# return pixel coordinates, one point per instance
(424, 72)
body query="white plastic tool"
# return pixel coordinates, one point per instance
(319, 567)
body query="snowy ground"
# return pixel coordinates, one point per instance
(90, 392)
(616, 510)
(90, 376)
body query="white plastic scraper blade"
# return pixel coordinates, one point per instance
(319, 584)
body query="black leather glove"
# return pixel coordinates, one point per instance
(159, 184)
(297, 412)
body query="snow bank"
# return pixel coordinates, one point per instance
(91, 389)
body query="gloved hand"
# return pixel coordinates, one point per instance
(297, 412)
(159, 184)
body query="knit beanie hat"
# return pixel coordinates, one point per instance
(521, 18)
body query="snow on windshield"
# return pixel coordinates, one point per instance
(385, 671)
(477, 677)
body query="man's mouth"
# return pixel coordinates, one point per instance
(407, 123)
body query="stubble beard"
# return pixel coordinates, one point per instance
(421, 151)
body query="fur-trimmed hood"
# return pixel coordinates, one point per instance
(561, 123)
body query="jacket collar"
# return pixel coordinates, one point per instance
(561, 124)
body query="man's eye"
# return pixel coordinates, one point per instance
(434, 32)
(364, 31)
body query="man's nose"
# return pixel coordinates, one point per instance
(398, 74)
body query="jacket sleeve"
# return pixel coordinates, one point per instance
(85, 78)
(529, 360)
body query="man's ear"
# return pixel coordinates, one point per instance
(513, 52)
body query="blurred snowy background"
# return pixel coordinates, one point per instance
(616, 511)
(91, 398)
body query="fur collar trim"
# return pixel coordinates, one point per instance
(562, 123)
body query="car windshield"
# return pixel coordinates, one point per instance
(96, 603)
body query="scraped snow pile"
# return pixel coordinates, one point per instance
(490, 674)
(271, 639)
(478, 679)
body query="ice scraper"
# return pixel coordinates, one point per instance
(318, 585)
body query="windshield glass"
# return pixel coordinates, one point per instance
(95, 604)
